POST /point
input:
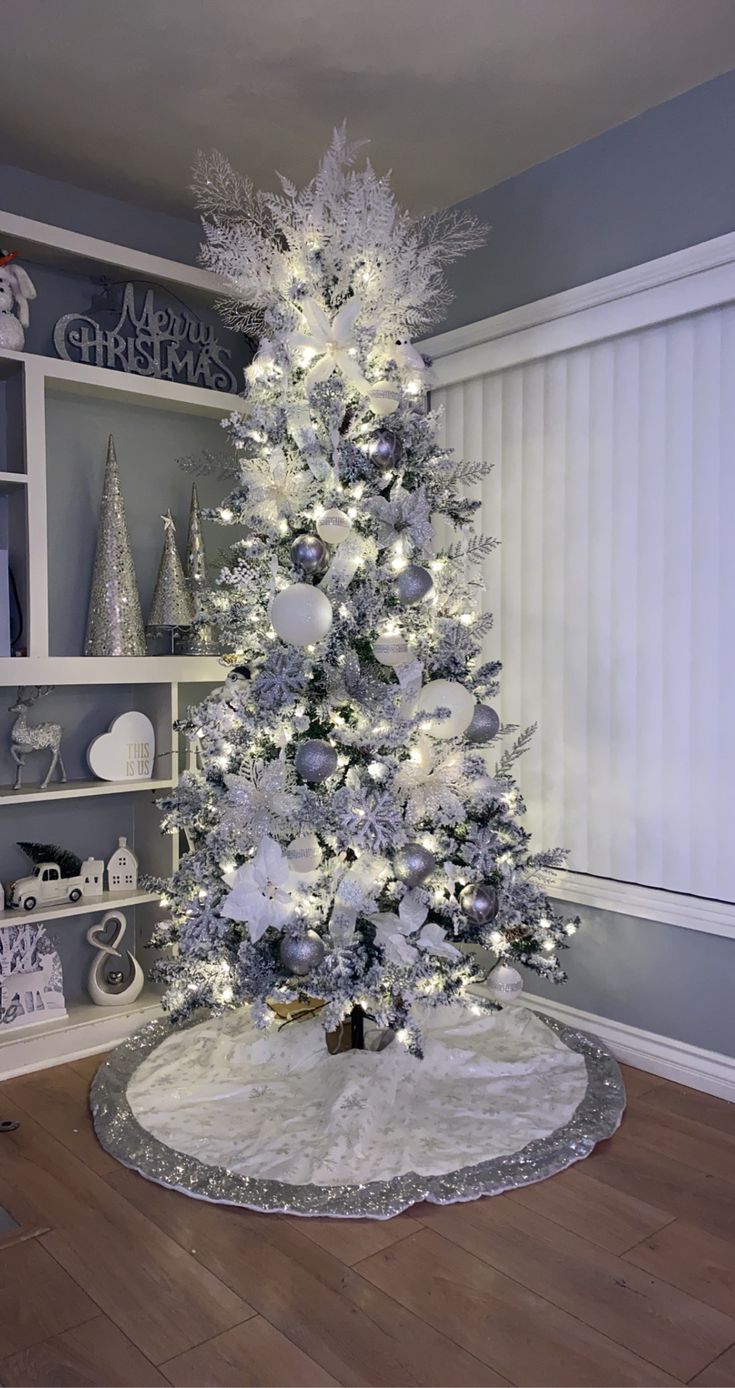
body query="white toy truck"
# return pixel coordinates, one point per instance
(46, 886)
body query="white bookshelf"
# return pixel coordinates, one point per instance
(153, 682)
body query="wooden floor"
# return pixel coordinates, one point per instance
(619, 1271)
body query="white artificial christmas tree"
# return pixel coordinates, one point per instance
(350, 830)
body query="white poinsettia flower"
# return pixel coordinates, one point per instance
(277, 487)
(433, 940)
(391, 930)
(258, 796)
(435, 786)
(262, 891)
(324, 346)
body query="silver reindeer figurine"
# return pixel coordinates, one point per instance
(25, 738)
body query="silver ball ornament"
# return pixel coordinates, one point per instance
(302, 953)
(387, 449)
(308, 553)
(485, 724)
(413, 864)
(315, 760)
(413, 584)
(479, 902)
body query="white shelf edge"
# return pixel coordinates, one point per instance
(86, 1030)
(88, 906)
(13, 479)
(76, 245)
(54, 373)
(80, 669)
(77, 790)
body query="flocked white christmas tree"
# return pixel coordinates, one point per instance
(352, 827)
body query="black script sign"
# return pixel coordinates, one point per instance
(149, 333)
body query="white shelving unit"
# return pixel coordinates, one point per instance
(154, 681)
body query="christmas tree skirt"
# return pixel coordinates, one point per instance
(270, 1121)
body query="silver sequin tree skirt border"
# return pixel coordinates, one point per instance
(597, 1117)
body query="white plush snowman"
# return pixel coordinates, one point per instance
(16, 288)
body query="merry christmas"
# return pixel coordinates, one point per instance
(148, 339)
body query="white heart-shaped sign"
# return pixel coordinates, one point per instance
(126, 751)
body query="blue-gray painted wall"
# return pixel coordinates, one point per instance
(78, 209)
(651, 186)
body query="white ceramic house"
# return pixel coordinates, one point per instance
(122, 869)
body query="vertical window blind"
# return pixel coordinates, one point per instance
(613, 592)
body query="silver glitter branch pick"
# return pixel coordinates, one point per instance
(115, 621)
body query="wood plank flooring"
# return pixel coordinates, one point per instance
(620, 1270)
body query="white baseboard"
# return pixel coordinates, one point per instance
(658, 1055)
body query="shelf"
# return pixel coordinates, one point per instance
(86, 1030)
(87, 254)
(88, 906)
(58, 375)
(75, 790)
(123, 669)
(12, 479)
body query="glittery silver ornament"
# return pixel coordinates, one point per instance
(171, 604)
(485, 724)
(479, 902)
(200, 638)
(413, 864)
(302, 953)
(413, 584)
(387, 449)
(308, 553)
(115, 621)
(315, 760)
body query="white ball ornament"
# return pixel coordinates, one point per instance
(393, 651)
(301, 614)
(447, 694)
(304, 853)
(504, 983)
(334, 526)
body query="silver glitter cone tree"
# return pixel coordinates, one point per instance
(354, 831)
(171, 605)
(115, 620)
(199, 638)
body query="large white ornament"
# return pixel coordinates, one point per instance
(301, 614)
(333, 526)
(504, 983)
(447, 694)
(304, 854)
(393, 651)
(126, 751)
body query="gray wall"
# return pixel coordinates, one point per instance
(662, 978)
(46, 200)
(654, 185)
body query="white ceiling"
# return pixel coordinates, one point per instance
(455, 95)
